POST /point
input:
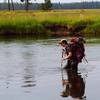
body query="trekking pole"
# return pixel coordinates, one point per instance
(85, 59)
(62, 70)
(62, 67)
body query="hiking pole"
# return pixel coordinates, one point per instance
(62, 66)
(85, 59)
(62, 70)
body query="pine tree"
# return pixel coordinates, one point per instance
(47, 5)
(9, 6)
(26, 4)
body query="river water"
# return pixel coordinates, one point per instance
(31, 70)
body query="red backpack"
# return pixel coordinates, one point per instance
(80, 50)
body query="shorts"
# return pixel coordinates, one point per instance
(71, 64)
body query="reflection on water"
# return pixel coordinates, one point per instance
(28, 78)
(74, 86)
(33, 67)
(17, 64)
(29, 75)
(21, 63)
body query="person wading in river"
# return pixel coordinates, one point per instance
(69, 54)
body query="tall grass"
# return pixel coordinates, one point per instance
(36, 22)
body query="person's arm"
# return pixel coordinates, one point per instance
(67, 56)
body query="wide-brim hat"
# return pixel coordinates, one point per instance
(62, 41)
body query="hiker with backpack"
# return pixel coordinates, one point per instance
(69, 54)
(73, 52)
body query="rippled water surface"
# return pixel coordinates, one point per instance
(30, 70)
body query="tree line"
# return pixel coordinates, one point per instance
(27, 5)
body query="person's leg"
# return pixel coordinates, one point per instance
(74, 66)
(68, 65)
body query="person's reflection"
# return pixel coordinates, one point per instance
(74, 86)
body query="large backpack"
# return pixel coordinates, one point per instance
(80, 50)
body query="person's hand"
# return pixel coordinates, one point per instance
(63, 59)
(65, 82)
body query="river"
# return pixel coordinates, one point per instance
(31, 70)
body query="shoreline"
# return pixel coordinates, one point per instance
(50, 23)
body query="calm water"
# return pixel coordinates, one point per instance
(30, 70)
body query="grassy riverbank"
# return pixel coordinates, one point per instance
(86, 22)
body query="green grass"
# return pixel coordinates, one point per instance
(93, 40)
(35, 22)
